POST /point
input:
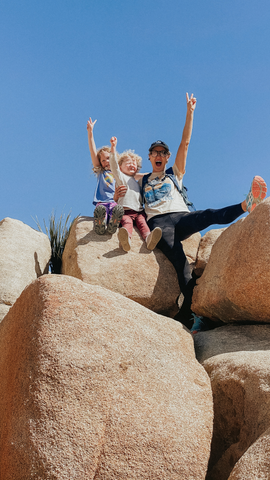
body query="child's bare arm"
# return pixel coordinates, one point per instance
(181, 156)
(91, 143)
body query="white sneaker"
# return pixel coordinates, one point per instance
(153, 238)
(124, 239)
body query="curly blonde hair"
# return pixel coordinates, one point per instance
(133, 155)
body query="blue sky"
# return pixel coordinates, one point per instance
(129, 63)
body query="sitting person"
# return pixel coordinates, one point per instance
(166, 208)
(125, 170)
(107, 212)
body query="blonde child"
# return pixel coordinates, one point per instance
(125, 171)
(107, 212)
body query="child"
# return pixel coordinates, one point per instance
(125, 173)
(107, 212)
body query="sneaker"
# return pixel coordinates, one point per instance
(100, 219)
(153, 238)
(124, 239)
(115, 219)
(198, 325)
(256, 193)
(202, 324)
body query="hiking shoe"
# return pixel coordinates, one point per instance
(124, 239)
(100, 219)
(202, 324)
(256, 193)
(153, 238)
(115, 219)
(198, 325)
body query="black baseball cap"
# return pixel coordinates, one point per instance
(159, 143)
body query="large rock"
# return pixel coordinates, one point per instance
(205, 248)
(237, 360)
(235, 284)
(95, 386)
(255, 463)
(25, 255)
(143, 276)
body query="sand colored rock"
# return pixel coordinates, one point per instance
(205, 248)
(235, 284)
(25, 255)
(237, 360)
(255, 463)
(231, 338)
(95, 386)
(143, 276)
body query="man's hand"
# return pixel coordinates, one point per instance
(191, 102)
(119, 192)
(90, 125)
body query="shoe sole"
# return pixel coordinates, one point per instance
(117, 215)
(124, 239)
(156, 236)
(100, 220)
(258, 192)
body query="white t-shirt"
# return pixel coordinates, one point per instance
(133, 198)
(161, 195)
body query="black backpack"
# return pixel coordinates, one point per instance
(169, 173)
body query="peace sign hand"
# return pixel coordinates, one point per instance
(191, 102)
(90, 125)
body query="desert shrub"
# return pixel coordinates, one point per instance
(58, 232)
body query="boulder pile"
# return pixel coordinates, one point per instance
(97, 382)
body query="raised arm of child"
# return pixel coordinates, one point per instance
(181, 156)
(91, 143)
(114, 164)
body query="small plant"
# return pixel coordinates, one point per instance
(58, 232)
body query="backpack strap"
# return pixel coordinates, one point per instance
(144, 181)
(170, 174)
(182, 191)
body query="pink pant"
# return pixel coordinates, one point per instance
(139, 218)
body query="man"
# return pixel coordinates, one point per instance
(166, 208)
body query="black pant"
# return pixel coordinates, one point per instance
(178, 226)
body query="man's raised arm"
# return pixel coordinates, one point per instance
(181, 156)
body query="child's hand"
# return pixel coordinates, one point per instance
(113, 144)
(113, 141)
(90, 125)
(191, 102)
(119, 192)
